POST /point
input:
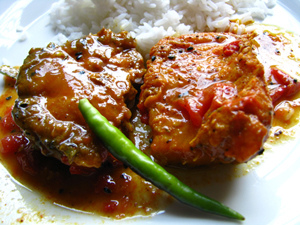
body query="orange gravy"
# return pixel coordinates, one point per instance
(116, 191)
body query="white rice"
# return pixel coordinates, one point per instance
(150, 20)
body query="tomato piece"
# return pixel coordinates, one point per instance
(18, 144)
(210, 98)
(287, 85)
(28, 159)
(12, 143)
(194, 109)
(7, 123)
(277, 93)
(65, 160)
(231, 48)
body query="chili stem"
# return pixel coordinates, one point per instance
(124, 150)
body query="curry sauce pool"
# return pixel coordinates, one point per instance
(124, 150)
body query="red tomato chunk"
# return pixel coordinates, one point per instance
(7, 124)
(12, 143)
(287, 85)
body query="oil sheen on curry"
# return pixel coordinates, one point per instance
(210, 97)
(101, 68)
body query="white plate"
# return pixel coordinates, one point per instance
(268, 194)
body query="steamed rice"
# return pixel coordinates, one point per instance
(150, 20)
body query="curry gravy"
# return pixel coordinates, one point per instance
(116, 191)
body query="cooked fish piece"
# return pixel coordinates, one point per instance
(102, 68)
(206, 99)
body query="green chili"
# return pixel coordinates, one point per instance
(124, 150)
